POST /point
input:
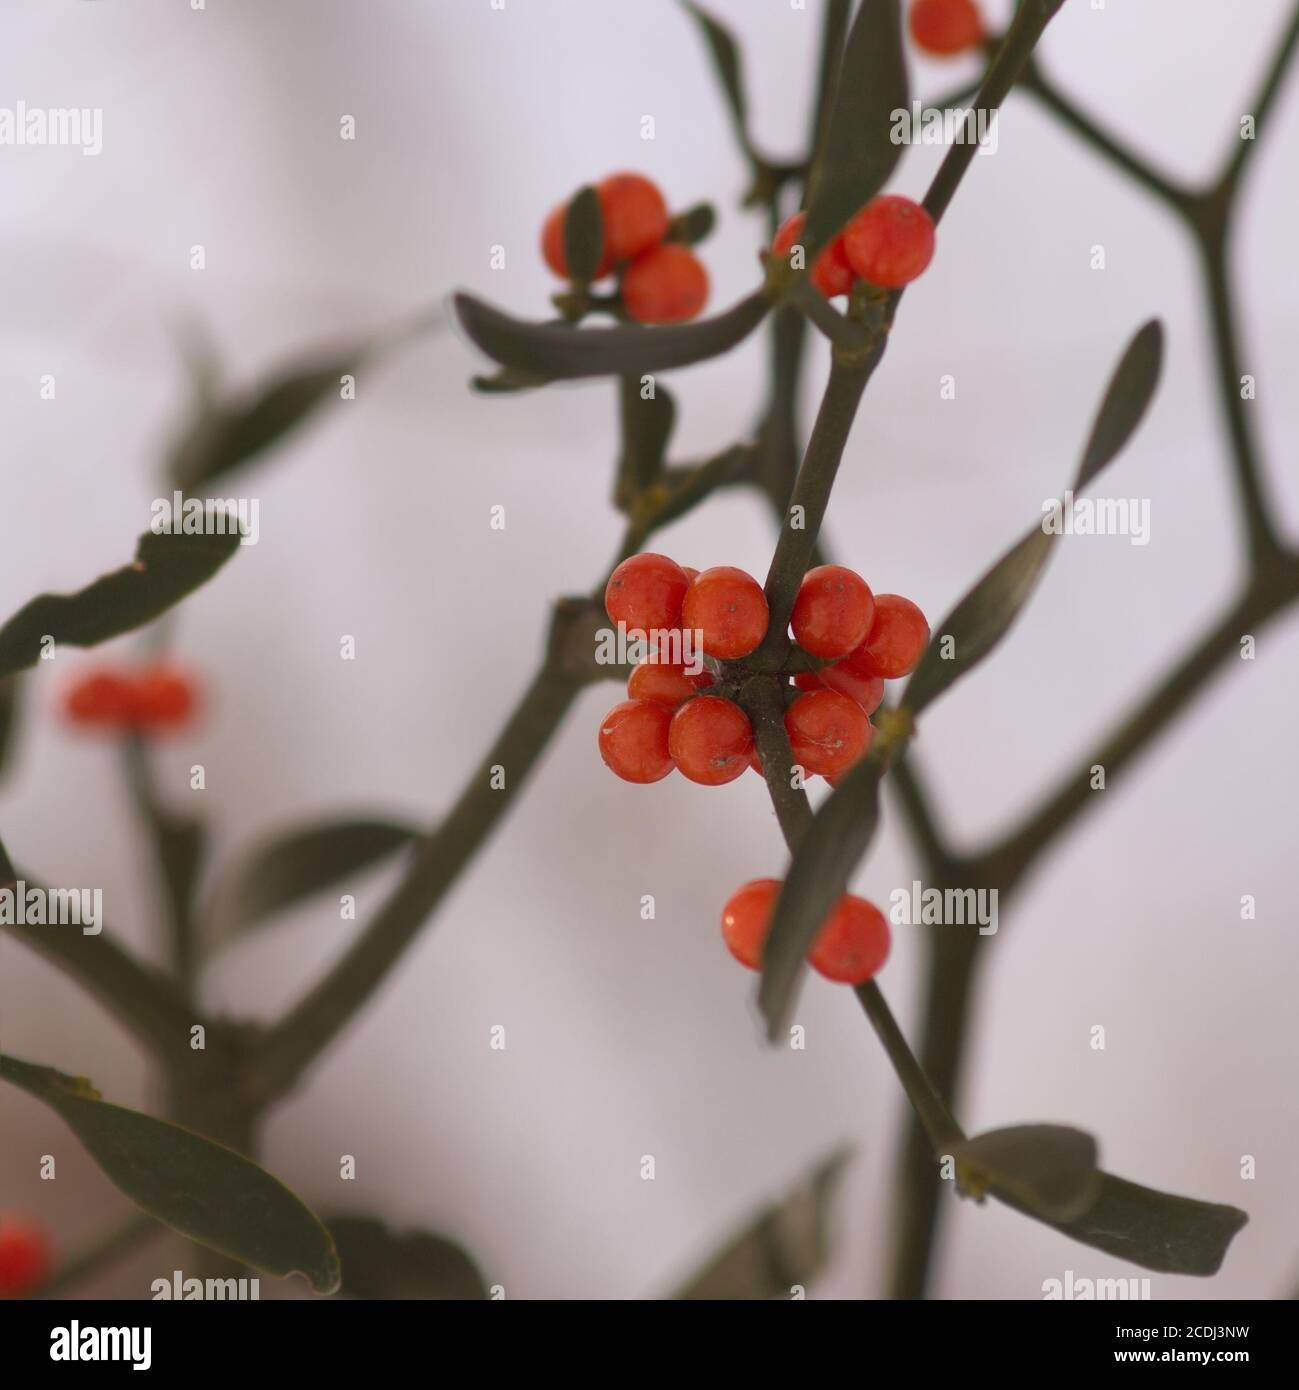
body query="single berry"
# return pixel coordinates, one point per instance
(890, 241)
(634, 214)
(710, 740)
(728, 609)
(691, 573)
(552, 246)
(831, 273)
(634, 740)
(666, 285)
(833, 611)
(946, 27)
(853, 944)
(162, 696)
(868, 691)
(755, 761)
(24, 1255)
(645, 592)
(827, 731)
(102, 699)
(668, 682)
(746, 919)
(896, 641)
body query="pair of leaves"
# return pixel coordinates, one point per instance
(166, 568)
(379, 1263)
(785, 1245)
(200, 1188)
(843, 828)
(1050, 1172)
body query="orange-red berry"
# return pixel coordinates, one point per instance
(634, 214)
(24, 1256)
(868, 691)
(634, 740)
(945, 27)
(896, 642)
(666, 285)
(163, 696)
(827, 731)
(853, 944)
(890, 241)
(552, 246)
(101, 699)
(746, 919)
(833, 611)
(728, 609)
(711, 740)
(645, 592)
(831, 273)
(668, 682)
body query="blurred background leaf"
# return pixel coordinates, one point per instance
(583, 236)
(725, 54)
(378, 1263)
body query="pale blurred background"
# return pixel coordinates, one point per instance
(625, 1037)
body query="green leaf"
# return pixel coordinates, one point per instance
(290, 867)
(859, 154)
(1156, 1230)
(983, 617)
(725, 54)
(693, 225)
(166, 568)
(507, 381)
(828, 853)
(1047, 1170)
(377, 1263)
(200, 1188)
(10, 692)
(583, 235)
(784, 1245)
(565, 351)
(646, 429)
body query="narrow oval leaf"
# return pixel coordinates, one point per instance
(290, 867)
(564, 350)
(646, 430)
(693, 225)
(1156, 1230)
(859, 152)
(200, 1188)
(583, 236)
(1049, 1170)
(984, 616)
(786, 1245)
(828, 853)
(379, 1263)
(726, 59)
(166, 568)
(9, 696)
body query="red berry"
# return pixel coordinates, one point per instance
(853, 944)
(691, 573)
(666, 285)
(868, 691)
(634, 740)
(101, 699)
(645, 592)
(746, 919)
(729, 611)
(552, 246)
(710, 740)
(827, 731)
(896, 642)
(634, 214)
(945, 27)
(833, 611)
(162, 696)
(890, 241)
(24, 1255)
(831, 273)
(668, 682)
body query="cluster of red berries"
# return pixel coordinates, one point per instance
(659, 281)
(849, 949)
(945, 27)
(887, 244)
(24, 1256)
(147, 699)
(668, 721)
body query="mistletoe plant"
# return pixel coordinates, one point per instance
(787, 677)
